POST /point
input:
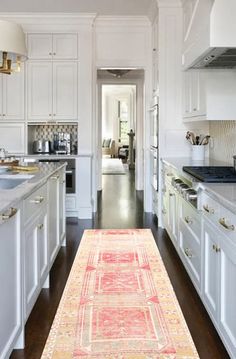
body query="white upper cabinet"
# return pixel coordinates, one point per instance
(155, 77)
(39, 90)
(194, 95)
(12, 96)
(53, 46)
(52, 91)
(209, 95)
(65, 91)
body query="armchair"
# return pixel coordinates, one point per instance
(109, 147)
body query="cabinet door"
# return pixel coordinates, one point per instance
(39, 46)
(211, 270)
(31, 275)
(65, 91)
(62, 192)
(13, 96)
(12, 137)
(65, 46)
(11, 284)
(227, 313)
(198, 95)
(53, 213)
(186, 94)
(172, 215)
(39, 92)
(42, 246)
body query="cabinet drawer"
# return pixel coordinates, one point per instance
(190, 252)
(34, 202)
(71, 203)
(227, 223)
(192, 219)
(210, 207)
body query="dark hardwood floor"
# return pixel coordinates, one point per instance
(120, 206)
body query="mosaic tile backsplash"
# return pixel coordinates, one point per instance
(223, 134)
(46, 132)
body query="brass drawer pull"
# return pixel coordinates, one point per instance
(188, 220)
(40, 226)
(208, 209)
(6, 216)
(223, 223)
(38, 200)
(216, 248)
(188, 253)
(169, 174)
(171, 194)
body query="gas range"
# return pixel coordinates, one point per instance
(212, 174)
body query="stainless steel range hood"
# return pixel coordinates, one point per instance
(210, 41)
(217, 58)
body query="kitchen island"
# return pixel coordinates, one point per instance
(32, 230)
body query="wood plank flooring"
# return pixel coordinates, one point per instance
(120, 206)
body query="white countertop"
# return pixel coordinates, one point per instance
(225, 193)
(9, 197)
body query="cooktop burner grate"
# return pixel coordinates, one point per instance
(219, 174)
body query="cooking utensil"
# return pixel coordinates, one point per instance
(205, 140)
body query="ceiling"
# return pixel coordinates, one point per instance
(101, 7)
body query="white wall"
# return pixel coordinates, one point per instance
(126, 42)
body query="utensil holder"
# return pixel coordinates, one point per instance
(198, 153)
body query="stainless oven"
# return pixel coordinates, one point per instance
(70, 172)
(70, 176)
(154, 166)
(154, 123)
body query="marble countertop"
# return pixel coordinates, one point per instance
(225, 193)
(9, 197)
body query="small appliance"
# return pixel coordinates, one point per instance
(62, 143)
(42, 146)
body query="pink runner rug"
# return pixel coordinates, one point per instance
(119, 303)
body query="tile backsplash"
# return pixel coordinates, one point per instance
(45, 131)
(223, 135)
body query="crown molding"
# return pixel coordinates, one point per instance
(122, 20)
(47, 18)
(169, 3)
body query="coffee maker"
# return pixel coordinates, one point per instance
(62, 143)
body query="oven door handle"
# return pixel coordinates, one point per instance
(69, 172)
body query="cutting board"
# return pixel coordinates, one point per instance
(25, 168)
(8, 163)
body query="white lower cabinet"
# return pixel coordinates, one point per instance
(11, 324)
(170, 208)
(56, 208)
(190, 241)
(35, 255)
(219, 288)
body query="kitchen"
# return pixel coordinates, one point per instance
(164, 58)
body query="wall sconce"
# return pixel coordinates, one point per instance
(12, 47)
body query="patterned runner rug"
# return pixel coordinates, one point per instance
(119, 303)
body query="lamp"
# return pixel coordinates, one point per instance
(12, 47)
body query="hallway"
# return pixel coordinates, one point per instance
(120, 206)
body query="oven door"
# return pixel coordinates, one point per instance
(154, 126)
(70, 181)
(70, 176)
(154, 167)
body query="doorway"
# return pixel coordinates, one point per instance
(120, 109)
(118, 119)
